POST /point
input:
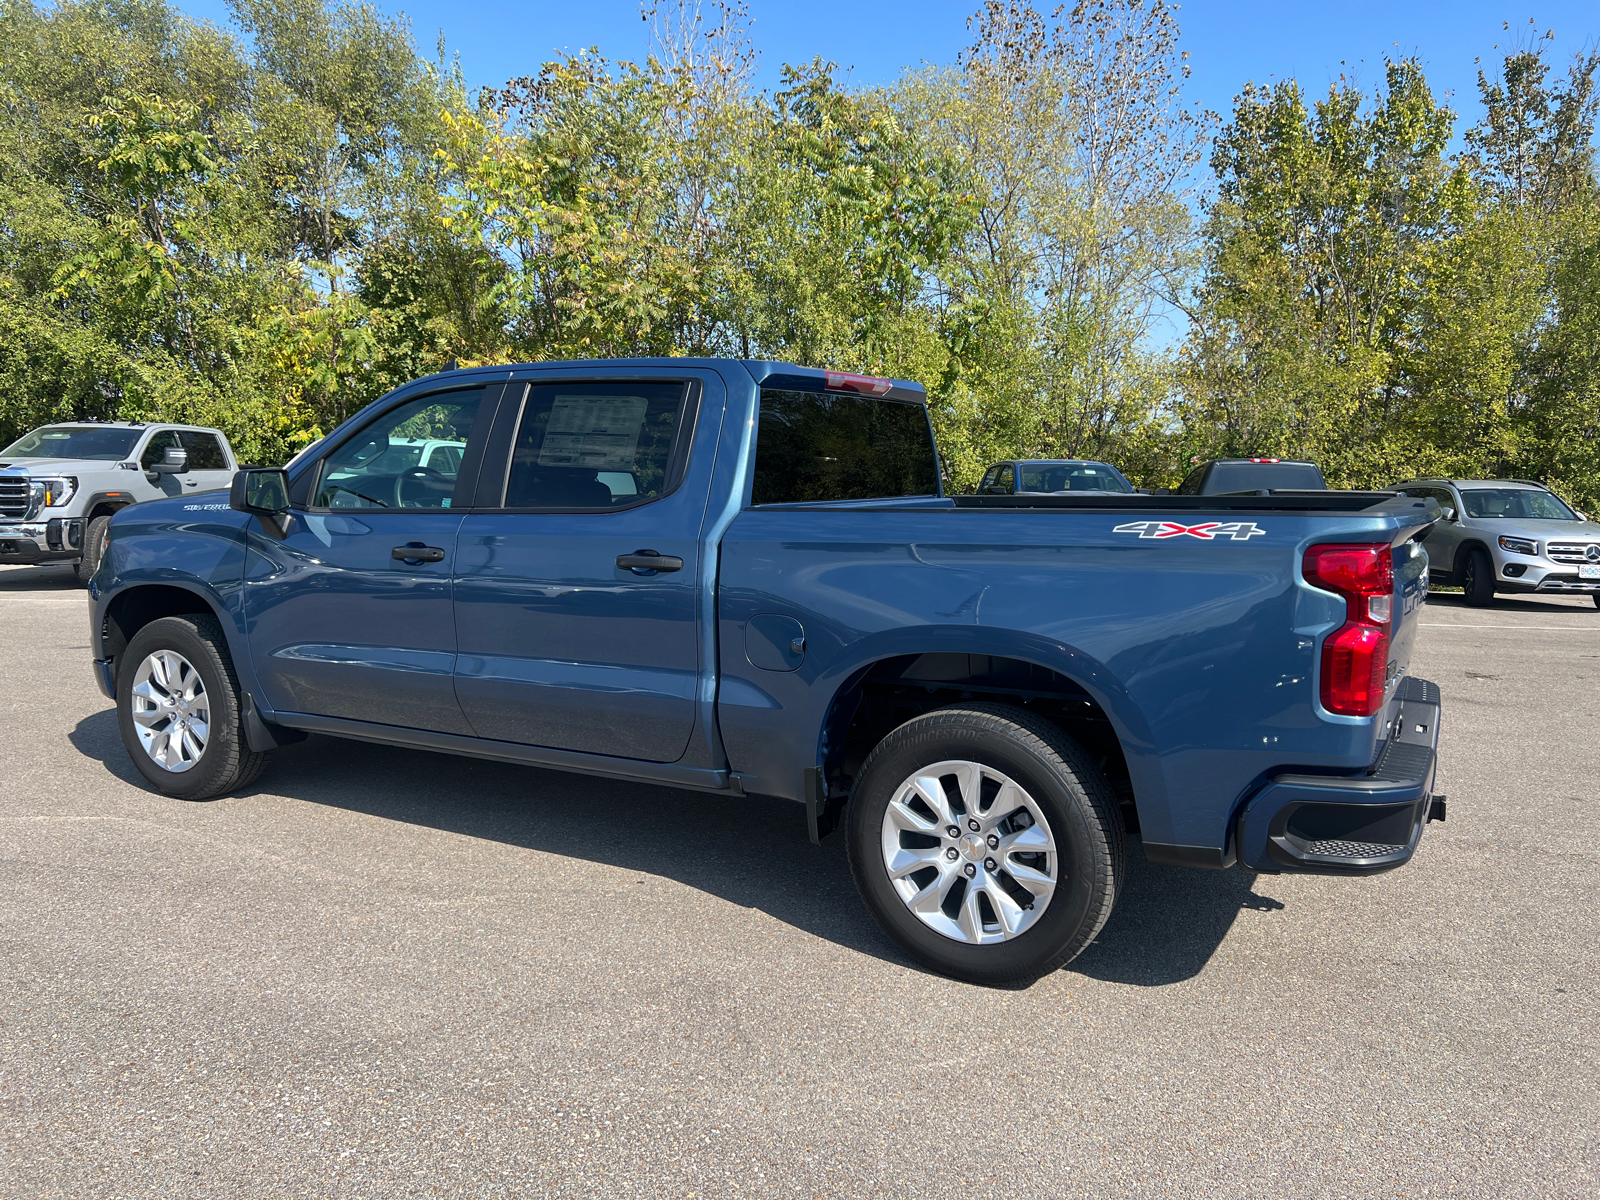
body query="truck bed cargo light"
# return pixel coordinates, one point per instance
(867, 385)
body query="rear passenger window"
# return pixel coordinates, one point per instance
(596, 446)
(205, 451)
(814, 446)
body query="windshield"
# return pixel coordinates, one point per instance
(1071, 477)
(1515, 504)
(74, 441)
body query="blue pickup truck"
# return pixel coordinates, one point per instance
(745, 577)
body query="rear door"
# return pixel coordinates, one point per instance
(1444, 538)
(568, 638)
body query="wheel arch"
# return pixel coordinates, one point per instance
(1071, 689)
(134, 607)
(1466, 547)
(104, 504)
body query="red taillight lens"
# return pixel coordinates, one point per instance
(868, 385)
(1355, 657)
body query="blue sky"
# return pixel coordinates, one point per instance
(1229, 43)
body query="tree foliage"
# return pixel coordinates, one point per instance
(265, 226)
(1387, 308)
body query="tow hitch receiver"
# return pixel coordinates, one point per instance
(1436, 808)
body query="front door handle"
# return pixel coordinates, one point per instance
(649, 560)
(417, 553)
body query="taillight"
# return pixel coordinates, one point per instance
(868, 385)
(1355, 657)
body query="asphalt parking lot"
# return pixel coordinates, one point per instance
(390, 973)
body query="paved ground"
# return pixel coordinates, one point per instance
(387, 973)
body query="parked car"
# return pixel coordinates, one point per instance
(59, 484)
(1508, 535)
(743, 577)
(1240, 476)
(1051, 475)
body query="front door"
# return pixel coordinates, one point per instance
(208, 466)
(568, 638)
(350, 614)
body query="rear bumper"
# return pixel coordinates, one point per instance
(1344, 825)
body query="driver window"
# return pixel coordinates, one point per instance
(1006, 479)
(157, 448)
(407, 458)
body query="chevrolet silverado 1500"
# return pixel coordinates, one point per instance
(745, 577)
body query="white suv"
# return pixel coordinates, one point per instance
(60, 484)
(1508, 535)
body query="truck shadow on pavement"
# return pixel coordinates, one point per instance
(749, 851)
(19, 578)
(1513, 605)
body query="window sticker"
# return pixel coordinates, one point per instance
(593, 431)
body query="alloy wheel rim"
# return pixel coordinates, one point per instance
(969, 852)
(171, 711)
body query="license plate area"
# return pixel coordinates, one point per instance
(1588, 572)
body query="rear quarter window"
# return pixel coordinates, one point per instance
(814, 446)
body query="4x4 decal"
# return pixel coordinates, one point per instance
(1239, 531)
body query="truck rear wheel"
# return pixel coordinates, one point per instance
(986, 843)
(179, 712)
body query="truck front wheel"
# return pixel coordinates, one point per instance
(986, 843)
(94, 544)
(179, 712)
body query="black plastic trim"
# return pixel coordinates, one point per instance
(606, 766)
(1172, 855)
(258, 734)
(823, 811)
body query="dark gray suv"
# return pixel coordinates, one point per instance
(1508, 535)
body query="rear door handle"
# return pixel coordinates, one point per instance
(649, 560)
(417, 553)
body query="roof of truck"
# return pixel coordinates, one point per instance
(125, 425)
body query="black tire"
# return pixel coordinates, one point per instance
(1595, 596)
(226, 763)
(1477, 578)
(94, 544)
(1071, 794)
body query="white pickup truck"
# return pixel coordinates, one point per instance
(60, 484)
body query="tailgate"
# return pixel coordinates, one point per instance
(1410, 593)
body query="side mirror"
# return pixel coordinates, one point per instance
(998, 489)
(173, 462)
(264, 493)
(1447, 513)
(1161, 492)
